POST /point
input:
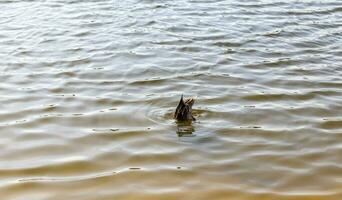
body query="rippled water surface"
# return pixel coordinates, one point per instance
(88, 89)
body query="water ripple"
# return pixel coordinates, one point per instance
(89, 88)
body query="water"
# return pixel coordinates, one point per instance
(88, 89)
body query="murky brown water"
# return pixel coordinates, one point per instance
(88, 89)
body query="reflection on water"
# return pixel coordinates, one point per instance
(185, 129)
(88, 89)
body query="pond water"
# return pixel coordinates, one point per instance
(88, 89)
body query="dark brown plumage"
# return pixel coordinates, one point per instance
(184, 110)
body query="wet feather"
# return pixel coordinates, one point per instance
(184, 110)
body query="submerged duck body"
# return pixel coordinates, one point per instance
(184, 110)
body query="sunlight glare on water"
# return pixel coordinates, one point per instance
(88, 90)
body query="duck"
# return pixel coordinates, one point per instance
(184, 110)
